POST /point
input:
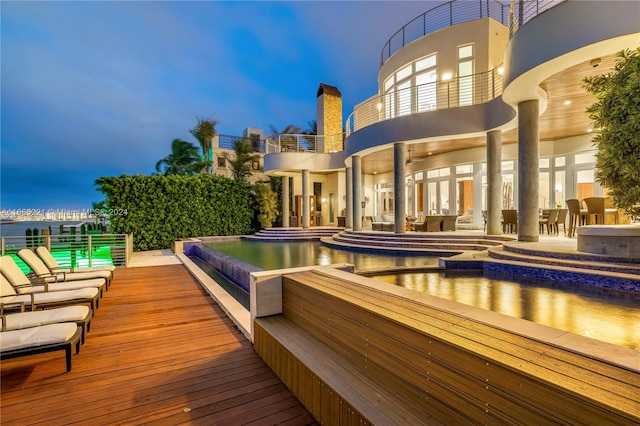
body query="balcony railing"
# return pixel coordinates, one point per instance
(443, 16)
(305, 143)
(521, 12)
(463, 91)
(76, 250)
(228, 142)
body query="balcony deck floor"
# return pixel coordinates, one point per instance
(160, 351)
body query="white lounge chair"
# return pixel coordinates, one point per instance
(53, 265)
(10, 269)
(41, 270)
(79, 314)
(44, 338)
(11, 299)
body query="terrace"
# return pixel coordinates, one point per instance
(159, 351)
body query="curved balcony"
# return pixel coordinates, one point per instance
(459, 92)
(443, 16)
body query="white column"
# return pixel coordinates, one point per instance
(494, 182)
(286, 219)
(356, 164)
(528, 170)
(349, 198)
(305, 199)
(398, 187)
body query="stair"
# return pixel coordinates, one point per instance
(293, 234)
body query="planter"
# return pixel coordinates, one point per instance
(622, 241)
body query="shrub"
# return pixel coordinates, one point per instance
(161, 209)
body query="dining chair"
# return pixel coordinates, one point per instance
(595, 209)
(510, 221)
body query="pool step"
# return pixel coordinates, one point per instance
(293, 234)
(573, 260)
(414, 243)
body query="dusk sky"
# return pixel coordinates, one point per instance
(91, 89)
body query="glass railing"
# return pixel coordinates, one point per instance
(463, 91)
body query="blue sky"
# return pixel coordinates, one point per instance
(91, 89)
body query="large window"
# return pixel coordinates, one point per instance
(465, 75)
(412, 88)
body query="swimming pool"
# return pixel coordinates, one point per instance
(607, 315)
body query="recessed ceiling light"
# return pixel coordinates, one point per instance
(567, 102)
(589, 130)
(430, 153)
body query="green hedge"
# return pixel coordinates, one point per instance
(161, 209)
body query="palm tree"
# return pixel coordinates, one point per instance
(204, 131)
(244, 157)
(183, 160)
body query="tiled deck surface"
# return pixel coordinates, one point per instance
(160, 351)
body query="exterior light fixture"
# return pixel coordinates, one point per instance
(567, 102)
(500, 70)
(446, 76)
(379, 106)
(589, 130)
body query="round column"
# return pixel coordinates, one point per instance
(528, 171)
(494, 182)
(286, 219)
(400, 224)
(349, 198)
(305, 199)
(356, 165)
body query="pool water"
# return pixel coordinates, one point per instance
(607, 315)
(270, 255)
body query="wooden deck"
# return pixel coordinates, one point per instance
(160, 351)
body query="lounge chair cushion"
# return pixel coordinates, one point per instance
(21, 320)
(50, 334)
(40, 269)
(52, 263)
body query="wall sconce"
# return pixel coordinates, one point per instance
(446, 76)
(363, 204)
(324, 200)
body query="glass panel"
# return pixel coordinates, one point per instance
(426, 88)
(560, 161)
(559, 189)
(428, 62)
(507, 192)
(464, 201)
(419, 176)
(332, 206)
(586, 183)
(467, 168)
(507, 165)
(465, 51)
(432, 195)
(589, 157)
(465, 83)
(403, 73)
(543, 163)
(388, 84)
(444, 197)
(544, 200)
(404, 98)
(390, 104)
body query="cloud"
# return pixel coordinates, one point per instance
(92, 89)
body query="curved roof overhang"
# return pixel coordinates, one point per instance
(455, 123)
(282, 163)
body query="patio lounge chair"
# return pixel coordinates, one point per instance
(47, 258)
(11, 299)
(41, 270)
(79, 314)
(23, 284)
(44, 338)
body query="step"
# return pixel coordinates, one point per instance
(560, 259)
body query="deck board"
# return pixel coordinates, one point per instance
(160, 351)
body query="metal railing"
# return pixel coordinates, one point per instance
(76, 250)
(463, 91)
(443, 16)
(305, 143)
(228, 142)
(522, 11)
